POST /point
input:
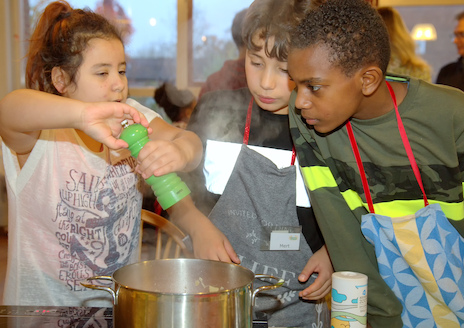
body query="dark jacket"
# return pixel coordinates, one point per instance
(452, 74)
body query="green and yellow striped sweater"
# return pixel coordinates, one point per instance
(433, 117)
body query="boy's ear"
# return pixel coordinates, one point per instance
(60, 79)
(372, 77)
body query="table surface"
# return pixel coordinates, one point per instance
(61, 317)
(51, 317)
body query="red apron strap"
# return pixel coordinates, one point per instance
(246, 134)
(407, 147)
(360, 165)
(293, 156)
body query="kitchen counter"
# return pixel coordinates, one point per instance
(55, 317)
(62, 317)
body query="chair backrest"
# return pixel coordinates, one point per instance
(168, 241)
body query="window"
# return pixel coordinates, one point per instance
(149, 29)
(183, 41)
(211, 38)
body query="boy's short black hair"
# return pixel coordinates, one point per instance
(273, 19)
(352, 30)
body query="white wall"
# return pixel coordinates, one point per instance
(11, 52)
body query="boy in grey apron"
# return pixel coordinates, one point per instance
(254, 192)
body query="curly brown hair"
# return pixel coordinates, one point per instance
(352, 31)
(273, 19)
(61, 35)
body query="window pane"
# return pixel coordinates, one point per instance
(212, 38)
(150, 31)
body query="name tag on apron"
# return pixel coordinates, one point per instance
(284, 240)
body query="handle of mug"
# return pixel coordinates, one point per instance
(108, 289)
(279, 283)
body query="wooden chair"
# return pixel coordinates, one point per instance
(168, 237)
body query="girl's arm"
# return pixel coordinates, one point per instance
(171, 149)
(24, 113)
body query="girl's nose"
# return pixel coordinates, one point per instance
(119, 83)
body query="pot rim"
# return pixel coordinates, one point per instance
(188, 260)
(114, 292)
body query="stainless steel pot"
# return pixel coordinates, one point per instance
(183, 293)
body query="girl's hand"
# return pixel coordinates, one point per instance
(102, 122)
(159, 157)
(172, 149)
(320, 263)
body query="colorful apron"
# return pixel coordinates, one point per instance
(259, 200)
(420, 256)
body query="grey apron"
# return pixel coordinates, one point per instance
(257, 197)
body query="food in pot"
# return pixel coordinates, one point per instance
(211, 289)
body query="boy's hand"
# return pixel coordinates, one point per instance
(210, 243)
(320, 263)
(160, 157)
(102, 122)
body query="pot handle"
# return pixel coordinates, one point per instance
(279, 283)
(108, 289)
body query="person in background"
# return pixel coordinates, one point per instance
(403, 59)
(249, 185)
(338, 59)
(177, 104)
(452, 74)
(232, 73)
(73, 193)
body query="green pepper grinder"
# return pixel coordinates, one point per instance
(169, 188)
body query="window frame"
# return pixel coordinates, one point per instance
(13, 24)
